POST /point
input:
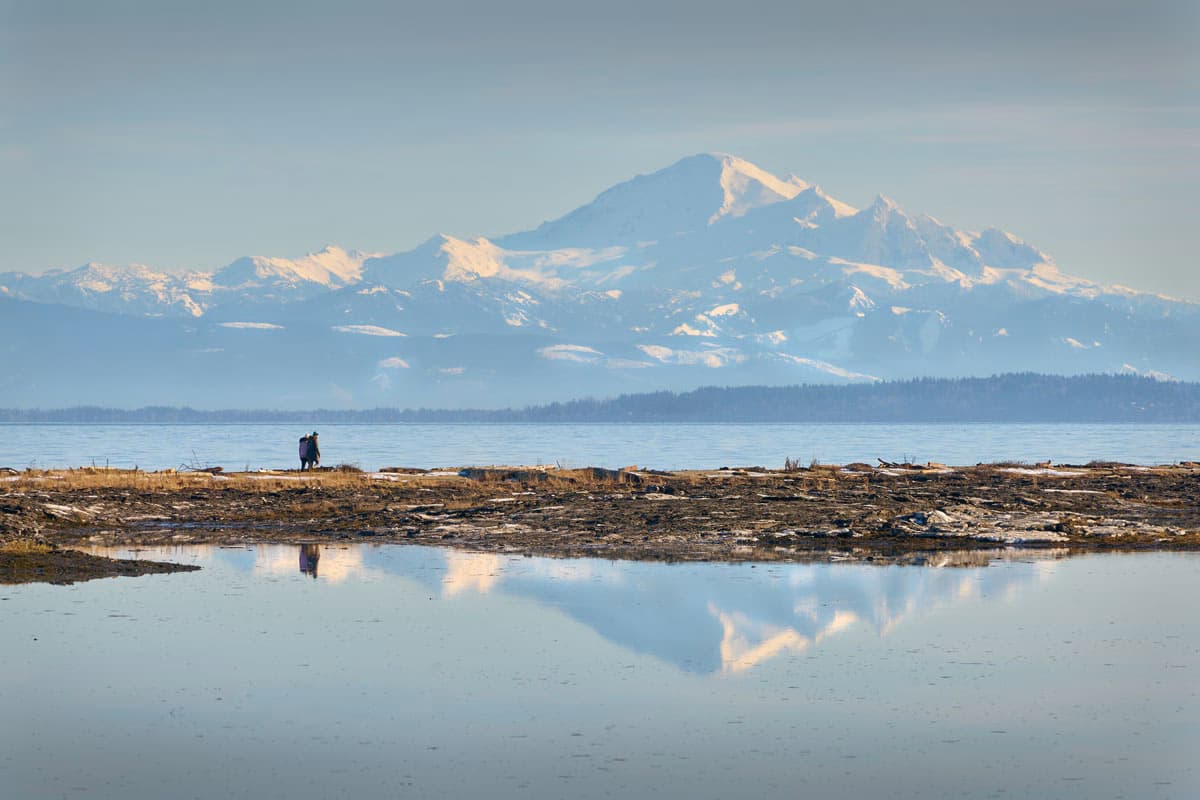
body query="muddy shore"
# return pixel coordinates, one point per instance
(62, 565)
(861, 512)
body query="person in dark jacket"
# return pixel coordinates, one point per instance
(303, 453)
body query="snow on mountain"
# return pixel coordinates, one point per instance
(687, 196)
(446, 258)
(132, 288)
(136, 289)
(711, 266)
(745, 186)
(1002, 250)
(331, 268)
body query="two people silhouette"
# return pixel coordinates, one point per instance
(310, 452)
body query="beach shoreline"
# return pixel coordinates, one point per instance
(894, 513)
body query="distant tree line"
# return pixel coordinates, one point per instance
(1016, 397)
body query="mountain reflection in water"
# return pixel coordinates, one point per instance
(701, 618)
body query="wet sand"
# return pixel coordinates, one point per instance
(858, 512)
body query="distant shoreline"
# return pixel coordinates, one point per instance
(1026, 398)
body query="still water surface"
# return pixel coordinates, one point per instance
(386, 671)
(661, 446)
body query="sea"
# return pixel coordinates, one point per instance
(655, 446)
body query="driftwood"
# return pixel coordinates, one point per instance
(501, 474)
(536, 475)
(910, 465)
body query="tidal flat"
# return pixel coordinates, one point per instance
(378, 670)
(894, 513)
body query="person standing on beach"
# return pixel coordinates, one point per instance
(314, 452)
(303, 453)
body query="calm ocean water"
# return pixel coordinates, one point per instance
(661, 446)
(393, 671)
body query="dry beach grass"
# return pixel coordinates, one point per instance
(856, 511)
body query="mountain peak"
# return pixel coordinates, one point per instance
(840, 209)
(884, 203)
(332, 266)
(1001, 249)
(746, 186)
(687, 196)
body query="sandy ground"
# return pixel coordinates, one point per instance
(890, 512)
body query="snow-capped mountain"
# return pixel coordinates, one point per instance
(140, 290)
(131, 289)
(287, 279)
(711, 271)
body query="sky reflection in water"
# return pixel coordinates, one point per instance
(385, 670)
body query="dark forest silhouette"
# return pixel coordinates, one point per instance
(1018, 397)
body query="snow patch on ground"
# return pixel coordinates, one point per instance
(685, 329)
(367, 330)
(581, 354)
(771, 337)
(726, 310)
(571, 352)
(859, 299)
(1149, 373)
(577, 257)
(825, 366)
(894, 278)
(253, 326)
(714, 358)
(626, 363)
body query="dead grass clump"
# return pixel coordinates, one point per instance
(94, 478)
(338, 478)
(598, 476)
(24, 547)
(585, 478)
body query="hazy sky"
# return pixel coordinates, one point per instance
(188, 134)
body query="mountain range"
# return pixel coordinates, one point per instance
(710, 271)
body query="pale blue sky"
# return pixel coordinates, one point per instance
(188, 134)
